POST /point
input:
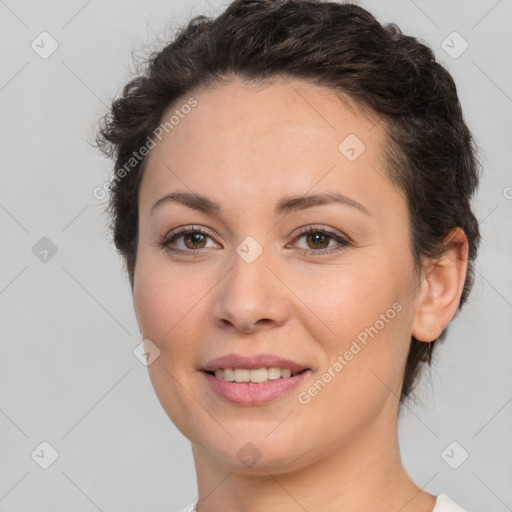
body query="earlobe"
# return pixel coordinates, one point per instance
(441, 288)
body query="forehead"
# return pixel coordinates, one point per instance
(256, 140)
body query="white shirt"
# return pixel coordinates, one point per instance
(443, 504)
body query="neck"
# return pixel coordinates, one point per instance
(364, 472)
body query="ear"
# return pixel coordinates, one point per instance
(441, 288)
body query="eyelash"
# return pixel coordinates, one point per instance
(178, 233)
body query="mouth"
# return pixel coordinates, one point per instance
(253, 380)
(254, 376)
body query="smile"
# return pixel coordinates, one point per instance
(254, 376)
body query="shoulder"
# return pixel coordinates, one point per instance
(445, 504)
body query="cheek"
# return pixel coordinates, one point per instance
(363, 309)
(353, 296)
(165, 301)
(167, 305)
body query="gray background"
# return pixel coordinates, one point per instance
(68, 375)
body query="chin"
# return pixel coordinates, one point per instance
(255, 451)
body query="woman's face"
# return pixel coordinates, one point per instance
(247, 285)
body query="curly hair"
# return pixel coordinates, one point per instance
(430, 153)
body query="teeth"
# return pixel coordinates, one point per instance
(242, 375)
(258, 375)
(285, 373)
(228, 374)
(274, 373)
(255, 376)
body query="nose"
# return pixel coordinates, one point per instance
(251, 297)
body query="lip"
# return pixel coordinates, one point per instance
(253, 362)
(243, 393)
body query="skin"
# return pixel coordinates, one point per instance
(247, 147)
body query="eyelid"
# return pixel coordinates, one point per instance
(314, 228)
(190, 229)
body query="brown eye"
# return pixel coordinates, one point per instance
(318, 240)
(195, 240)
(191, 240)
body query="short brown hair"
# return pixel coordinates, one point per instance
(431, 154)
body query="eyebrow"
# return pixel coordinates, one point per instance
(284, 206)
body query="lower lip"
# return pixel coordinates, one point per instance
(243, 393)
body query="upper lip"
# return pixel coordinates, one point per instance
(253, 362)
